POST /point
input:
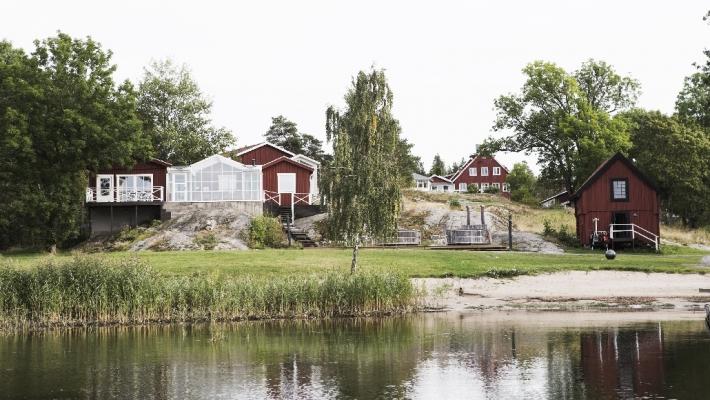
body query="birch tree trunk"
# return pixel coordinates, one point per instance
(356, 248)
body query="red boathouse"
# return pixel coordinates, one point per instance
(617, 205)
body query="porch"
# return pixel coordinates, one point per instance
(155, 194)
(288, 199)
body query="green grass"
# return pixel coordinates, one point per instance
(98, 290)
(411, 262)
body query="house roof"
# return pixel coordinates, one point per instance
(472, 159)
(419, 177)
(301, 156)
(160, 162)
(288, 160)
(560, 194)
(601, 169)
(443, 178)
(219, 158)
(247, 149)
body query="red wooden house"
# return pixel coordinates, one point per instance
(121, 196)
(617, 205)
(288, 178)
(482, 172)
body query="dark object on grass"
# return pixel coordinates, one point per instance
(707, 314)
(461, 292)
(610, 254)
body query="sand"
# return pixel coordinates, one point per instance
(571, 291)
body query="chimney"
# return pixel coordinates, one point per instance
(253, 161)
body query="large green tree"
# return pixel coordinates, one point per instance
(677, 157)
(362, 183)
(284, 133)
(693, 103)
(437, 166)
(566, 118)
(176, 115)
(61, 115)
(522, 181)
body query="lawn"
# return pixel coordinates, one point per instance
(413, 262)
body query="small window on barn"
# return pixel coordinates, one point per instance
(484, 171)
(472, 172)
(619, 189)
(496, 171)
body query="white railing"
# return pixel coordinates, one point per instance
(120, 195)
(635, 231)
(296, 198)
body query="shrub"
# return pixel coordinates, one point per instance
(454, 203)
(472, 189)
(205, 239)
(564, 234)
(547, 229)
(265, 232)
(492, 190)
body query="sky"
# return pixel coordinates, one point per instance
(446, 61)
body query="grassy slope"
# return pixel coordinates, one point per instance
(416, 263)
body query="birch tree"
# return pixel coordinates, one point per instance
(362, 185)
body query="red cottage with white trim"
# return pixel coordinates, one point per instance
(617, 202)
(482, 172)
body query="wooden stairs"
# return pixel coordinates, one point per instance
(297, 234)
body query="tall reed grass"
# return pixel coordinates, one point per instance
(95, 290)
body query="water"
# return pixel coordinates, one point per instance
(432, 356)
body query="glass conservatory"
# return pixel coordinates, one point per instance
(216, 178)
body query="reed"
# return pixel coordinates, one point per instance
(96, 290)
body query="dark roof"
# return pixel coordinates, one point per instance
(288, 160)
(560, 194)
(161, 162)
(601, 169)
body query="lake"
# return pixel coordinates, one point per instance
(426, 356)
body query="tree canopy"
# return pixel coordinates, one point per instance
(566, 118)
(61, 114)
(437, 166)
(362, 184)
(176, 115)
(284, 133)
(522, 182)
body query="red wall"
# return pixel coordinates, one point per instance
(270, 178)
(159, 172)
(595, 202)
(261, 155)
(479, 162)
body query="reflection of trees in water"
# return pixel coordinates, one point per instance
(363, 358)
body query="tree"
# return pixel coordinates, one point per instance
(176, 115)
(566, 119)
(284, 133)
(61, 114)
(456, 166)
(677, 157)
(522, 181)
(408, 163)
(437, 166)
(363, 181)
(693, 103)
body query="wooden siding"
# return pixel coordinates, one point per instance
(271, 183)
(595, 201)
(477, 163)
(158, 171)
(261, 155)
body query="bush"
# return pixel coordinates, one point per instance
(472, 189)
(492, 190)
(564, 235)
(205, 239)
(547, 229)
(454, 203)
(265, 232)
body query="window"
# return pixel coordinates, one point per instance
(484, 187)
(472, 172)
(496, 171)
(620, 189)
(496, 185)
(446, 188)
(484, 171)
(506, 188)
(135, 187)
(463, 187)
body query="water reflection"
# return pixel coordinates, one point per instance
(429, 356)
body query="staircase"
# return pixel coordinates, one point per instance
(633, 232)
(284, 214)
(297, 234)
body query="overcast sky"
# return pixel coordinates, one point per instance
(446, 61)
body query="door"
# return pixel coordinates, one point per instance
(179, 186)
(286, 187)
(621, 218)
(104, 188)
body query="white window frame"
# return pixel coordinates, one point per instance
(496, 185)
(496, 171)
(126, 195)
(463, 187)
(484, 186)
(506, 187)
(484, 171)
(472, 171)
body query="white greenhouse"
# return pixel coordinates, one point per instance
(216, 178)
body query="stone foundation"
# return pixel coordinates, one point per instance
(252, 208)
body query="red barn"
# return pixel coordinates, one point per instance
(482, 172)
(617, 202)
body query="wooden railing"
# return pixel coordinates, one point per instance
(296, 198)
(120, 195)
(636, 231)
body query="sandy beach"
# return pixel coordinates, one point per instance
(571, 291)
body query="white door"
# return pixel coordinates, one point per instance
(179, 187)
(104, 188)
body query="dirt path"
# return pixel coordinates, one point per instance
(575, 290)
